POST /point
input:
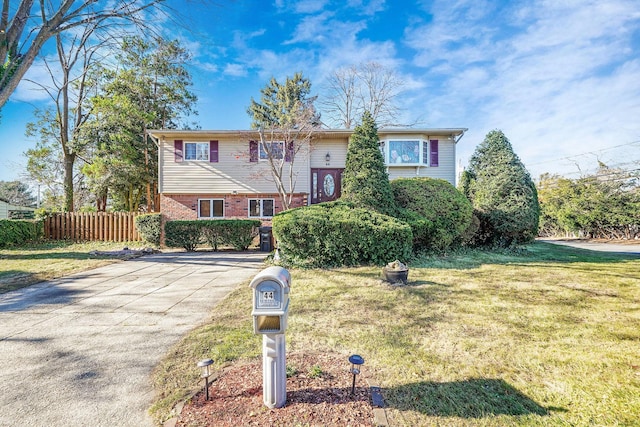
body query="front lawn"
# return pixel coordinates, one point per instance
(28, 264)
(548, 336)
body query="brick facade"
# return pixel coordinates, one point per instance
(236, 206)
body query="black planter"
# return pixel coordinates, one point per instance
(395, 276)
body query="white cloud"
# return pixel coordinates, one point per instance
(559, 78)
(235, 70)
(313, 29)
(28, 89)
(310, 6)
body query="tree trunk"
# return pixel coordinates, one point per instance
(69, 160)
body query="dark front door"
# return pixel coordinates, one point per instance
(325, 185)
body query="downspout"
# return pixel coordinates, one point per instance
(160, 144)
(455, 156)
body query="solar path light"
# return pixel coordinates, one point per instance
(356, 360)
(206, 373)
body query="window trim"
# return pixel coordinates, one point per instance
(197, 143)
(261, 206)
(211, 208)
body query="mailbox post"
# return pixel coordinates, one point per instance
(270, 313)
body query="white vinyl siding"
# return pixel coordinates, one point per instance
(232, 173)
(337, 150)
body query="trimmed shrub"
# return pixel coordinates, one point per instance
(438, 213)
(340, 234)
(14, 232)
(150, 228)
(183, 234)
(238, 233)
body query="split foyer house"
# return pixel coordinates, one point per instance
(217, 174)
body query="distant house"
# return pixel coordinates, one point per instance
(8, 210)
(224, 173)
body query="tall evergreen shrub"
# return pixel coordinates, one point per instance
(365, 181)
(502, 193)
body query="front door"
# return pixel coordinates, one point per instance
(326, 185)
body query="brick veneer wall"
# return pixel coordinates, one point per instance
(185, 206)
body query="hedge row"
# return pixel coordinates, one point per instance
(237, 233)
(340, 234)
(13, 232)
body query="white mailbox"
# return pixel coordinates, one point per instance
(270, 312)
(271, 300)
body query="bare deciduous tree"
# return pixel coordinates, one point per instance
(368, 87)
(70, 83)
(25, 29)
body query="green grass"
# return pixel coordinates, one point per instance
(549, 336)
(28, 264)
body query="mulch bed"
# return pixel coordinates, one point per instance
(318, 394)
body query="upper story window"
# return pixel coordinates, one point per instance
(196, 151)
(276, 149)
(406, 152)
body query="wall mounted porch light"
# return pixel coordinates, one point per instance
(328, 157)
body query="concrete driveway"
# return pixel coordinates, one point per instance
(628, 249)
(79, 351)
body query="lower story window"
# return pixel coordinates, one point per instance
(210, 208)
(261, 207)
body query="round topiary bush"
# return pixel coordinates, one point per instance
(438, 213)
(340, 234)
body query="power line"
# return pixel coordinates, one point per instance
(583, 154)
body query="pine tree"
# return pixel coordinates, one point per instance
(502, 193)
(365, 181)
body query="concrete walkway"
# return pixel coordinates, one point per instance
(79, 351)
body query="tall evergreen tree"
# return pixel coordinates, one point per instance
(502, 193)
(365, 180)
(150, 90)
(16, 193)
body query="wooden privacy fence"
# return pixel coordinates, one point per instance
(84, 226)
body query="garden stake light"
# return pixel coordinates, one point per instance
(204, 365)
(356, 360)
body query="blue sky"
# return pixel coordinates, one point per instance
(561, 78)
